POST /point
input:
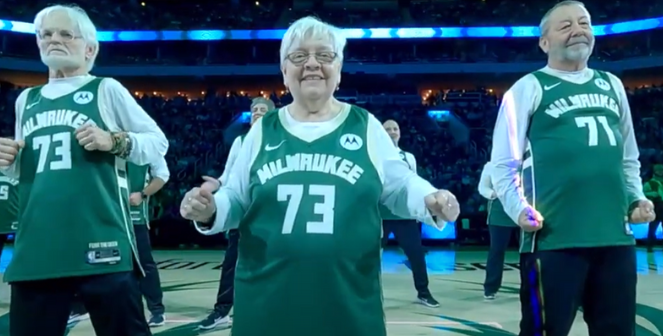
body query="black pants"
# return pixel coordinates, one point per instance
(408, 236)
(3, 240)
(150, 284)
(600, 280)
(651, 232)
(526, 320)
(226, 294)
(500, 236)
(113, 300)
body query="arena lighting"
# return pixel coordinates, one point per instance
(245, 117)
(438, 114)
(350, 33)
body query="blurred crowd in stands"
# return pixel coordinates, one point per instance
(270, 14)
(162, 15)
(450, 151)
(446, 156)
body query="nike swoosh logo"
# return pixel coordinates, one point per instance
(550, 87)
(31, 105)
(271, 148)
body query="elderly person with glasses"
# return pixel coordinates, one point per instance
(304, 194)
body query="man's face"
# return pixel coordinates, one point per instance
(257, 111)
(393, 130)
(569, 35)
(60, 43)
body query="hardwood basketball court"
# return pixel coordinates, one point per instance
(190, 279)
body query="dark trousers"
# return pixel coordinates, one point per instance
(651, 233)
(526, 288)
(408, 236)
(226, 294)
(500, 236)
(150, 284)
(600, 280)
(3, 240)
(113, 300)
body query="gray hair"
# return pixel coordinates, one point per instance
(260, 100)
(543, 25)
(311, 28)
(82, 23)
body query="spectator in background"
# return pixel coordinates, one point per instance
(220, 315)
(653, 189)
(500, 228)
(407, 231)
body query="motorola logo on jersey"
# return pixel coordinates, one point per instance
(602, 84)
(83, 97)
(351, 142)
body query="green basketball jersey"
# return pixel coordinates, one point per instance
(139, 178)
(309, 252)
(497, 215)
(386, 213)
(74, 207)
(8, 204)
(572, 170)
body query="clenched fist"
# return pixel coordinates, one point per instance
(643, 212)
(443, 205)
(135, 198)
(94, 138)
(198, 205)
(530, 220)
(8, 151)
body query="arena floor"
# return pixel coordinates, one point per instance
(190, 280)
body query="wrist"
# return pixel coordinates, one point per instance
(208, 222)
(121, 144)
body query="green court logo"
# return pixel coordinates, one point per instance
(652, 327)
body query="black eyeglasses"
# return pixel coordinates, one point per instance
(323, 57)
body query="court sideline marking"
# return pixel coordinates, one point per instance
(413, 323)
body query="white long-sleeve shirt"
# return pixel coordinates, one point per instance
(159, 169)
(232, 157)
(119, 111)
(409, 159)
(510, 137)
(485, 184)
(403, 191)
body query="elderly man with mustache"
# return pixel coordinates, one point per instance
(569, 128)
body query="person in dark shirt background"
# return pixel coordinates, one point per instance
(653, 189)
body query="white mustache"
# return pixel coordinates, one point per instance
(578, 41)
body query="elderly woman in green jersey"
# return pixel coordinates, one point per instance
(304, 195)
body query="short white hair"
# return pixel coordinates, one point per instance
(82, 23)
(543, 25)
(311, 28)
